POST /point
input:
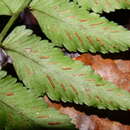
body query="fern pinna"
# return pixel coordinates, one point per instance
(45, 70)
(78, 30)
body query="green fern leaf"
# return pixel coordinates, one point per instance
(45, 69)
(104, 5)
(9, 7)
(21, 110)
(68, 25)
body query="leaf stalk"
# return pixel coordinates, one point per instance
(12, 20)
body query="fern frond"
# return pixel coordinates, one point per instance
(21, 110)
(45, 69)
(99, 6)
(68, 25)
(9, 7)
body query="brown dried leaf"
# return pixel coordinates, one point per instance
(116, 71)
(85, 122)
(105, 124)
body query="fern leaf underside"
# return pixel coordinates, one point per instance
(99, 6)
(68, 25)
(21, 110)
(45, 69)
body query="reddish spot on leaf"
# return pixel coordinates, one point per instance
(97, 24)
(90, 39)
(79, 75)
(74, 89)
(83, 20)
(82, 74)
(9, 94)
(66, 68)
(99, 84)
(43, 117)
(105, 28)
(100, 41)
(98, 98)
(44, 57)
(54, 123)
(115, 31)
(52, 63)
(69, 36)
(92, 80)
(79, 38)
(71, 16)
(51, 81)
(62, 85)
